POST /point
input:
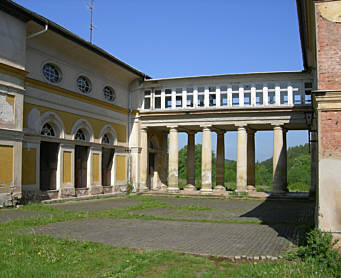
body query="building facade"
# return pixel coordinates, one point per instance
(76, 121)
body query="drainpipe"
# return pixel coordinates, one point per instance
(38, 33)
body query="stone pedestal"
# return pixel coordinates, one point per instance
(173, 185)
(206, 161)
(96, 189)
(242, 159)
(66, 192)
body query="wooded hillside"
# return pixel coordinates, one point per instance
(298, 169)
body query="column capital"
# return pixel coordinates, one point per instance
(278, 127)
(143, 128)
(219, 131)
(241, 125)
(173, 128)
(207, 126)
(191, 132)
(278, 124)
(251, 131)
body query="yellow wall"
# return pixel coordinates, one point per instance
(67, 167)
(69, 119)
(29, 166)
(121, 172)
(10, 98)
(6, 166)
(95, 167)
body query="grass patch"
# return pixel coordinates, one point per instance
(30, 255)
(33, 255)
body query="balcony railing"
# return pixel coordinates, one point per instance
(266, 94)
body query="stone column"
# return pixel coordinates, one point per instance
(242, 159)
(220, 163)
(173, 185)
(251, 160)
(206, 161)
(191, 162)
(144, 160)
(279, 160)
(164, 147)
(285, 172)
(313, 163)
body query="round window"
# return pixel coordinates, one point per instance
(84, 84)
(109, 93)
(51, 73)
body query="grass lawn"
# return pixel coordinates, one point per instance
(31, 255)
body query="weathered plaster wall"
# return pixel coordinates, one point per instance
(12, 41)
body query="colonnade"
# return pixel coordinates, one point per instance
(245, 180)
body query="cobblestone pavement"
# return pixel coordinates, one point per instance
(216, 239)
(269, 211)
(97, 204)
(203, 238)
(12, 214)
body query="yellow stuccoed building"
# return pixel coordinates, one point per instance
(81, 122)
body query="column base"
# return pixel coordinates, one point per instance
(219, 188)
(143, 188)
(173, 190)
(312, 193)
(241, 189)
(278, 192)
(190, 187)
(251, 188)
(206, 191)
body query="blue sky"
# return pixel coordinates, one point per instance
(192, 37)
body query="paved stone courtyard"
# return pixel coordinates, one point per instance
(216, 227)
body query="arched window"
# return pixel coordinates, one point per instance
(80, 135)
(47, 130)
(106, 139)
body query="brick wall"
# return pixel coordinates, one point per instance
(330, 133)
(328, 51)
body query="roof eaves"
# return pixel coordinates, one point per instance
(24, 14)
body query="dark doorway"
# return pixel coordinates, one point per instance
(48, 165)
(81, 161)
(107, 160)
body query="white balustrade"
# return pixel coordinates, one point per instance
(261, 94)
